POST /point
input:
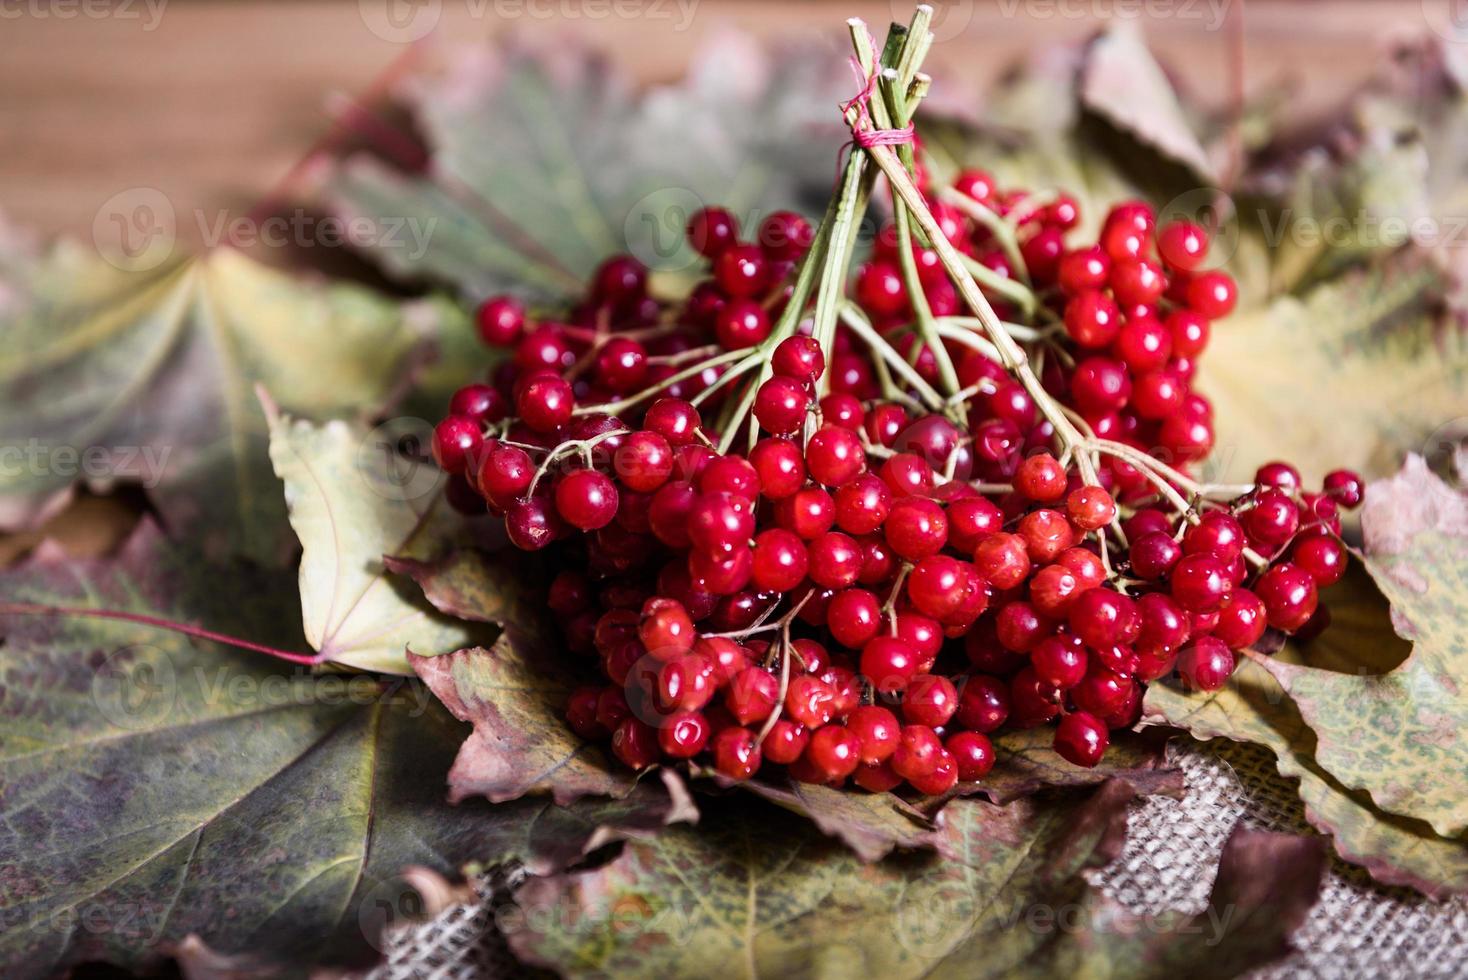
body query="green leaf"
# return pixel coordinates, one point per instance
(351, 503)
(148, 376)
(544, 162)
(745, 895)
(1399, 736)
(154, 786)
(1372, 372)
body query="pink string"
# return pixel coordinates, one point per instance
(861, 131)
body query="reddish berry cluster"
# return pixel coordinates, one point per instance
(871, 590)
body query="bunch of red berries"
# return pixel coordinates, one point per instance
(778, 550)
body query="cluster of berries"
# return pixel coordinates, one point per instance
(873, 586)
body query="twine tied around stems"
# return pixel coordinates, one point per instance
(863, 132)
(863, 129)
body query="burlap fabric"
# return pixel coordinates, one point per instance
(1356, 930)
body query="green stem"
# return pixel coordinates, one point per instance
(1010, 289)
(894, 111)
(858, 324)
(1011, 355)
(1000, 229)
(844, 226)
(613, 408)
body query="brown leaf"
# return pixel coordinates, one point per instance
(470, 584)
(514, 693)
(1026, 762)
(1267, 883)
(1121, 82)
(871, 824)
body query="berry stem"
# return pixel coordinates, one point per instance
(787, 654)
(889, 608)
(1003, 285)
(857, 323)
(631, 401)
(850, 204)
(1011, 355)
(700, 354)
(968, 338)
(566, 449)
(36, 609)
(970, 324)
(894, 110)
(1001, 230)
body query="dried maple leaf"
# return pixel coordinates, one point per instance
(514, 692)
(1399, 735)
(1383, 174)
(1373, 739)
(1121, 82)
(1253, 708)
(350, 507)
(873, 824)
(748, 893)
(544, 161)
(162, 786)
(870, 824)
(1367, 354)
(1025, 762)
(149, 376)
